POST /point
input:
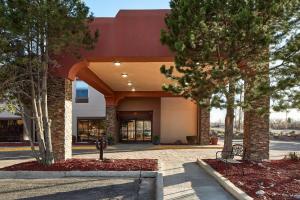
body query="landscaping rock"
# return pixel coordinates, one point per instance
(297, 196)
(260, 192)
(240, 183)
(281, 182)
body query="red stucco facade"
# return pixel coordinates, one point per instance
(132, 36)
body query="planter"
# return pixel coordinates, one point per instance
(156, 140)
(88, 165)
(191, 139)
(110, 140)
(224, 182)
(214, 140)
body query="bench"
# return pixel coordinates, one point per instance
(236, 150)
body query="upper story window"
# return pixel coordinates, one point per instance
(82, 92)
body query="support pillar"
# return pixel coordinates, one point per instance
(60, 112)
(112, 122)
(203, 125)
(256, 125)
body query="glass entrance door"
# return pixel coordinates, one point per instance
(136, 130)
(139, 130)
(131, 130)
(147, 133)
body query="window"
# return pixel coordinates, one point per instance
(11, 130)
(89, 129)
(82, 92)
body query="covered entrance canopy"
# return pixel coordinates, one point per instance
(125, 64)
(130, 43)
(132, 39)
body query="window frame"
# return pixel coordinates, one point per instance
(79, 99)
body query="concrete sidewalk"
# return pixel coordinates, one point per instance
(189, 181)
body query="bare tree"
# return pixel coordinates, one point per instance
(31, 34)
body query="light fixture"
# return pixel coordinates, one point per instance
(124, 75)
(133, 89)
(129, 83)
(117, 63)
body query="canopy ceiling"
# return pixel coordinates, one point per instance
(145, 76)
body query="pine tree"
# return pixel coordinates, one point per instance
(220, 44)
(206, 56)
(31, 34)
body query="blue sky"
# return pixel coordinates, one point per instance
(109, 8)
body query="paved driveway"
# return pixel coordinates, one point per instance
(75, 189)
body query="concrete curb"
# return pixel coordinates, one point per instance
(224, 182)
(159, 182)
(66, 174)
(159, 188)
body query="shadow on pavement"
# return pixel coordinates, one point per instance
(204, 187)
(114, 191)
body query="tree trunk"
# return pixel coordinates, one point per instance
(25, 116)
(49, 158)
(37, 119)
(240, 113)
(229, 121)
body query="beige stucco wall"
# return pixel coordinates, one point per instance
(95, 108)
(143, 104)
(178, 119)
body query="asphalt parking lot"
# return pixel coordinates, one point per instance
(76, 189)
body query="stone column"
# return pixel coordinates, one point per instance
(203, 126)
(112, 122)
(60, 112)
(256, 124)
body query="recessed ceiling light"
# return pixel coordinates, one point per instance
(129, 83)
(117, 63)
(133, 89)
(124, 75)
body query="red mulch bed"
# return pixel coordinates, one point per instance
(88, 165)
(279, 179)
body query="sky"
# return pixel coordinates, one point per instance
(110, 8)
